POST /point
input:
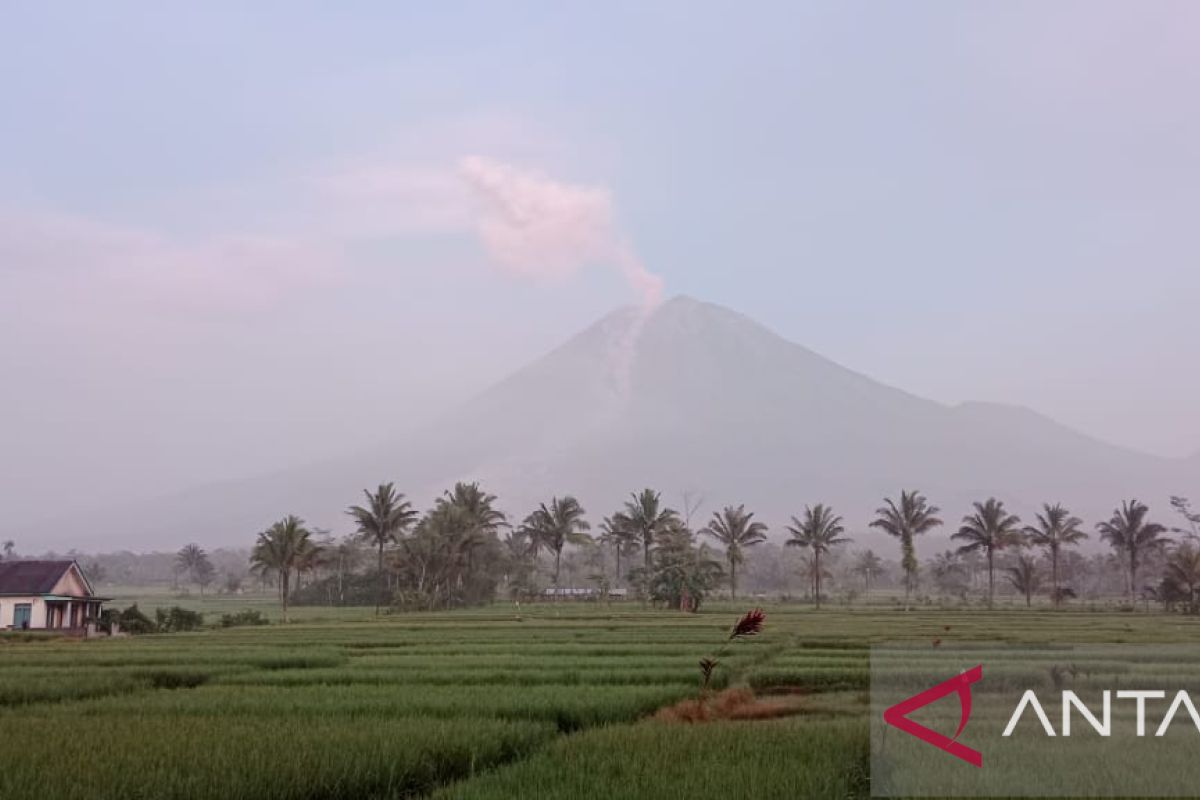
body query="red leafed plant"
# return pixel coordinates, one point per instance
(749, 625)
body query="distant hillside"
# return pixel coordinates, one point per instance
(690, 397)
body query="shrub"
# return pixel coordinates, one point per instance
(176, 619)
(248, 616)
(133, 621)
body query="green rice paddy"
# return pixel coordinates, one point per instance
(545, 701)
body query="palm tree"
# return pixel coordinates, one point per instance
(868, 565)
(1130, 534)
(950, 573)
(1055, 529)
(614, 531)
(1025, 578)
(820, 531)
(9, 549)
(646, 518)
(279, 549)
(1182, 506)
(477, 511)
(381, 522)
(989, 529)
(913, 516)
(1183, 572)
(811, 569)
(191, 560)
(557, 525)
(736, 529)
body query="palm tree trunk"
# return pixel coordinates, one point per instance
(908, 560)
(817, 577)
(646, 562)
(379, 566)
(732, 579)
(1054, 575)
(617, 577)
(991, 577)
(1132, 574)
(557, 566)
(285, 580)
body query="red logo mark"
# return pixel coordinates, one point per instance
(897, 715)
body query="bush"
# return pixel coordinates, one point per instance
(176, 619)
(248, 616)
(133, 621)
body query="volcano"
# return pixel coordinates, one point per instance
(690, 397)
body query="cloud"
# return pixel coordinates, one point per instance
(540, 228)
(85, 262)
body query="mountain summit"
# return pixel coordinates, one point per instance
(687, 397)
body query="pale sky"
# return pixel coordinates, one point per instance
(239, 236)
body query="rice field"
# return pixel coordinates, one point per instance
(549, 701)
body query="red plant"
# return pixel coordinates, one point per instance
(750, 624)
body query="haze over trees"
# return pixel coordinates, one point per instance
(906, 520)
(735, 530)
(819, 532)
(988, 529)
(193, 563)
(381, 522)
(1056, 528)
(557, 525)
(1132, 534)
(463, 551)
(283, 550)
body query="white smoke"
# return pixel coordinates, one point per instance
(543, 229)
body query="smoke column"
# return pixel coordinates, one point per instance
(542, 229)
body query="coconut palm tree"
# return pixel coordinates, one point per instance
(912, 516)
(950, 574)
(479, 515)
(1182, 506)
(280, 549)
(615, 532)
(820, 531)
(557, 525)
(192, 561)
(1183, 573)
(736, 530)
(1130, 534)
(1025, 578)
(381, 522)
(989, 529)
(10, 548)
(1055, 529)
(867, 565)
(646, 517)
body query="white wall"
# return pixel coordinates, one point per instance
(8, 606)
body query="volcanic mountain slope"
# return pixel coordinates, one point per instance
(689, 397)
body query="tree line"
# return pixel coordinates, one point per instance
(465, 551)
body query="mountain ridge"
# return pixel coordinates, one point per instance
(691, 395)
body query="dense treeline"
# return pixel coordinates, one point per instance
(465, 551)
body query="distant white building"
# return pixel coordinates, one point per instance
(584, 594)
(46, 595)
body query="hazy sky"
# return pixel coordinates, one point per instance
(236, 238)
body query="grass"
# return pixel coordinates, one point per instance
(549, 701)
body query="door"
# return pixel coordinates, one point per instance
(22, 613)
